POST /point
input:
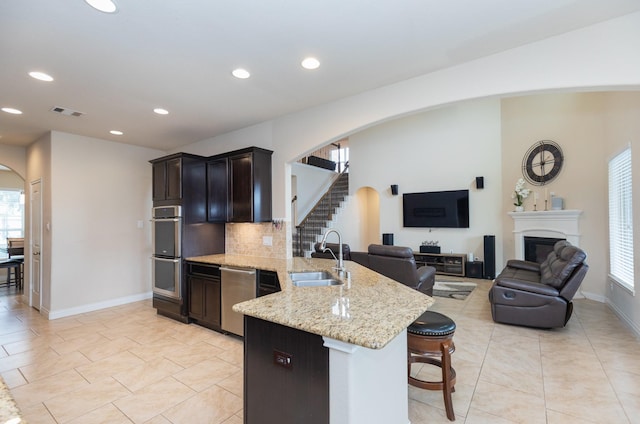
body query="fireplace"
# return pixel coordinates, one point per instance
(554, 225)
(536, 249)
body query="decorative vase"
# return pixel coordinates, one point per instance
(519, 208)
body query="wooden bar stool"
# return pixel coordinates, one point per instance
(15, 265)
(430, 341)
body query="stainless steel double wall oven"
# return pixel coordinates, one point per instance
(167, 251)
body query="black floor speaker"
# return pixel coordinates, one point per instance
(489, 257)
(387, 239)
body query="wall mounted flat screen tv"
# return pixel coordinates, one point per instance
(436, 209)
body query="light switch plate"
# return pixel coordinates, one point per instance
(267, 240)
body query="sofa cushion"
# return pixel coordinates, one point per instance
(394, 251)
(560, 263)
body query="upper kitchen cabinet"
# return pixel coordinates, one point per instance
(181, 179)
(217, 189)
(250, 185)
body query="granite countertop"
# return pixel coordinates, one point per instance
(369, 313)
(9, 412)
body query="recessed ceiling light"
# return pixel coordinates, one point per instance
(241, 73)
(161, 111)
(116, 132)
(310, 63)
(106, 6)
(41, 76)
(12, 110)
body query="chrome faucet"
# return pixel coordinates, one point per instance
(323, 246)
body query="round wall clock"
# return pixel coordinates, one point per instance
(542, 162)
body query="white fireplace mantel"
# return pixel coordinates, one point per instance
(553, 224)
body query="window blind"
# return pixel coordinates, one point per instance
(621, 219)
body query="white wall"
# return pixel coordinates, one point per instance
(11, 180)
(311, 183)
(14, 157)
(100, 190)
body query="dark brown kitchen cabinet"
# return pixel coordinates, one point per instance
(249, 185)
(217, 189)
(167, 179)
(181, 179)
(286, 375)
(203, 285)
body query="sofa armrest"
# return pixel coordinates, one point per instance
(425, 273)
(528, 286)
(526, 265)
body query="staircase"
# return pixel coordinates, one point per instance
(314, 224)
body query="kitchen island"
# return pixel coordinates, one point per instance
(362, 323)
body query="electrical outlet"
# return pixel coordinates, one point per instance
(267, 240)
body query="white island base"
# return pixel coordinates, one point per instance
(368, 386)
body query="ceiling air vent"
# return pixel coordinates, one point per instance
(66, 111)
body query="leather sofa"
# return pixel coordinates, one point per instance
(335, 248)
(539, 295)
(397, 263)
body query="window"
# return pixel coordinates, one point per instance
(621, 219)
(341, 157)
(11, 215)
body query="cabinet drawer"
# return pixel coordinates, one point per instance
(203, 270)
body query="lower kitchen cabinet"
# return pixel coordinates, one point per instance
(286, 375)
(203, 285)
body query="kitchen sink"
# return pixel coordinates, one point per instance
(325, 282)
(314, 279)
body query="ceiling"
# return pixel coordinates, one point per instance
(178, 55)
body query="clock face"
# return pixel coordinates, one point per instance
(543, 162)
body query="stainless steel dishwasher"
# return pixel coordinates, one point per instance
(238, 285)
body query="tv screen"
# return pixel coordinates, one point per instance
(436, 209)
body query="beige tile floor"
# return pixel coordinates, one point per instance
(126, 364)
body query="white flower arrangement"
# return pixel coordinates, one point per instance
(520, 193)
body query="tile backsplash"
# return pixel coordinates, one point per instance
(249, 239)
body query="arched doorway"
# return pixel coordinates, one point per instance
(12, 224)
(368, 204)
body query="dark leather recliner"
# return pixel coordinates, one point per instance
(539, 295)
(397, 263)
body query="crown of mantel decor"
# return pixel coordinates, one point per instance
(552, 224)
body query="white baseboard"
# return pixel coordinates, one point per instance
(96, 306)
(623, 317)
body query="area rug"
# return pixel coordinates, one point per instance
(453, 289)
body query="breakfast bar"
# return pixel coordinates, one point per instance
(362, 322)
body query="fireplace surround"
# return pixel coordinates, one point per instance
(555, 224)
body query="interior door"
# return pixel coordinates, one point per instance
(35, 225)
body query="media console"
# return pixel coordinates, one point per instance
(444, 263)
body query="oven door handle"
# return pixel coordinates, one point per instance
(165, 219)
(155, 258)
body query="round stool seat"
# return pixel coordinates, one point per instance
(430, 341)
(432, 324)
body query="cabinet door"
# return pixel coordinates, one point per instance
(278, 391)
(217, 190)
(159, 180)
(196, 297)
(212, 302)
(174, 179)
(241, 188)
